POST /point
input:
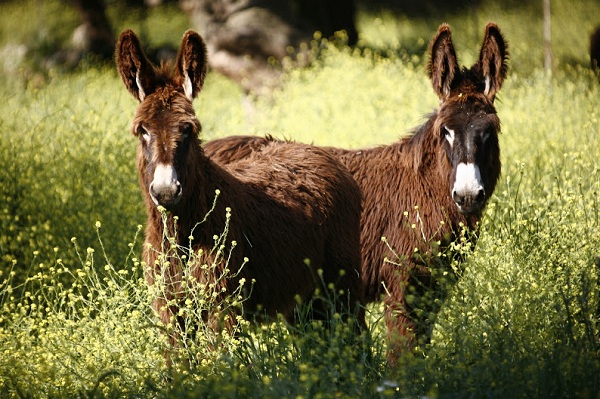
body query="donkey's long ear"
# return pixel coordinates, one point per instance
(493, 60)
(443, 65)
(190, 68)
(134, 67)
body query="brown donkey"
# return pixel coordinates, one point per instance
(295, 209)
(419, 192)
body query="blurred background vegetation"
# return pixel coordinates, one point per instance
(522, 320)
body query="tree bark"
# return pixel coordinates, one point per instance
(95, 34)
(547, 38)
(247, 40)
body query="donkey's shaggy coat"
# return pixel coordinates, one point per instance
(295, 208)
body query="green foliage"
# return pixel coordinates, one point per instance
(68, 160)
(207, 315)
(44, 26)
(529, 297)
(97, 336)
(521, 320)
(365, 110)
(90, 337)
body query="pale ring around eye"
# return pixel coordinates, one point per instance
(187, 130)
(449, 134)
(141, 131)
(486, 135)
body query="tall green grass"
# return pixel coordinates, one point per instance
(522, 320)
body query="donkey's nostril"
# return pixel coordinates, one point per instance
(458, 199)
(469, 202)
(151, 190)
(480, 196)
(165, 195)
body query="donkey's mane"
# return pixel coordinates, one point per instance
(164, 72)
(419, 144)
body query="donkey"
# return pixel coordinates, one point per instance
(422, 191)
(295, 210)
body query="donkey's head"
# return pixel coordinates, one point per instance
(164, 122)
(466, 122)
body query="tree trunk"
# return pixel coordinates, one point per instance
(247, 40)
(95, 34)
(547, 39)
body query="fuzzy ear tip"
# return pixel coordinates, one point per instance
(127, 34)
(493, 30)
(444, 31)
(191, 34)
(444, 27)
(127, 38)
(492, 27)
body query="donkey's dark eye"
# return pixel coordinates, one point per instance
(143, 133)
(487, 133)
(187, 130)
(448, 134)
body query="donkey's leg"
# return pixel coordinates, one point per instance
(170, 323)
(343, 272)
(400, 328)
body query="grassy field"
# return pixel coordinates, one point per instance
(75, 317)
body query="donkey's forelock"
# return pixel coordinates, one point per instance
(166, 109)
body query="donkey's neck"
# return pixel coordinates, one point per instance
(422, 155)
(417, 167)
(202, 213)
